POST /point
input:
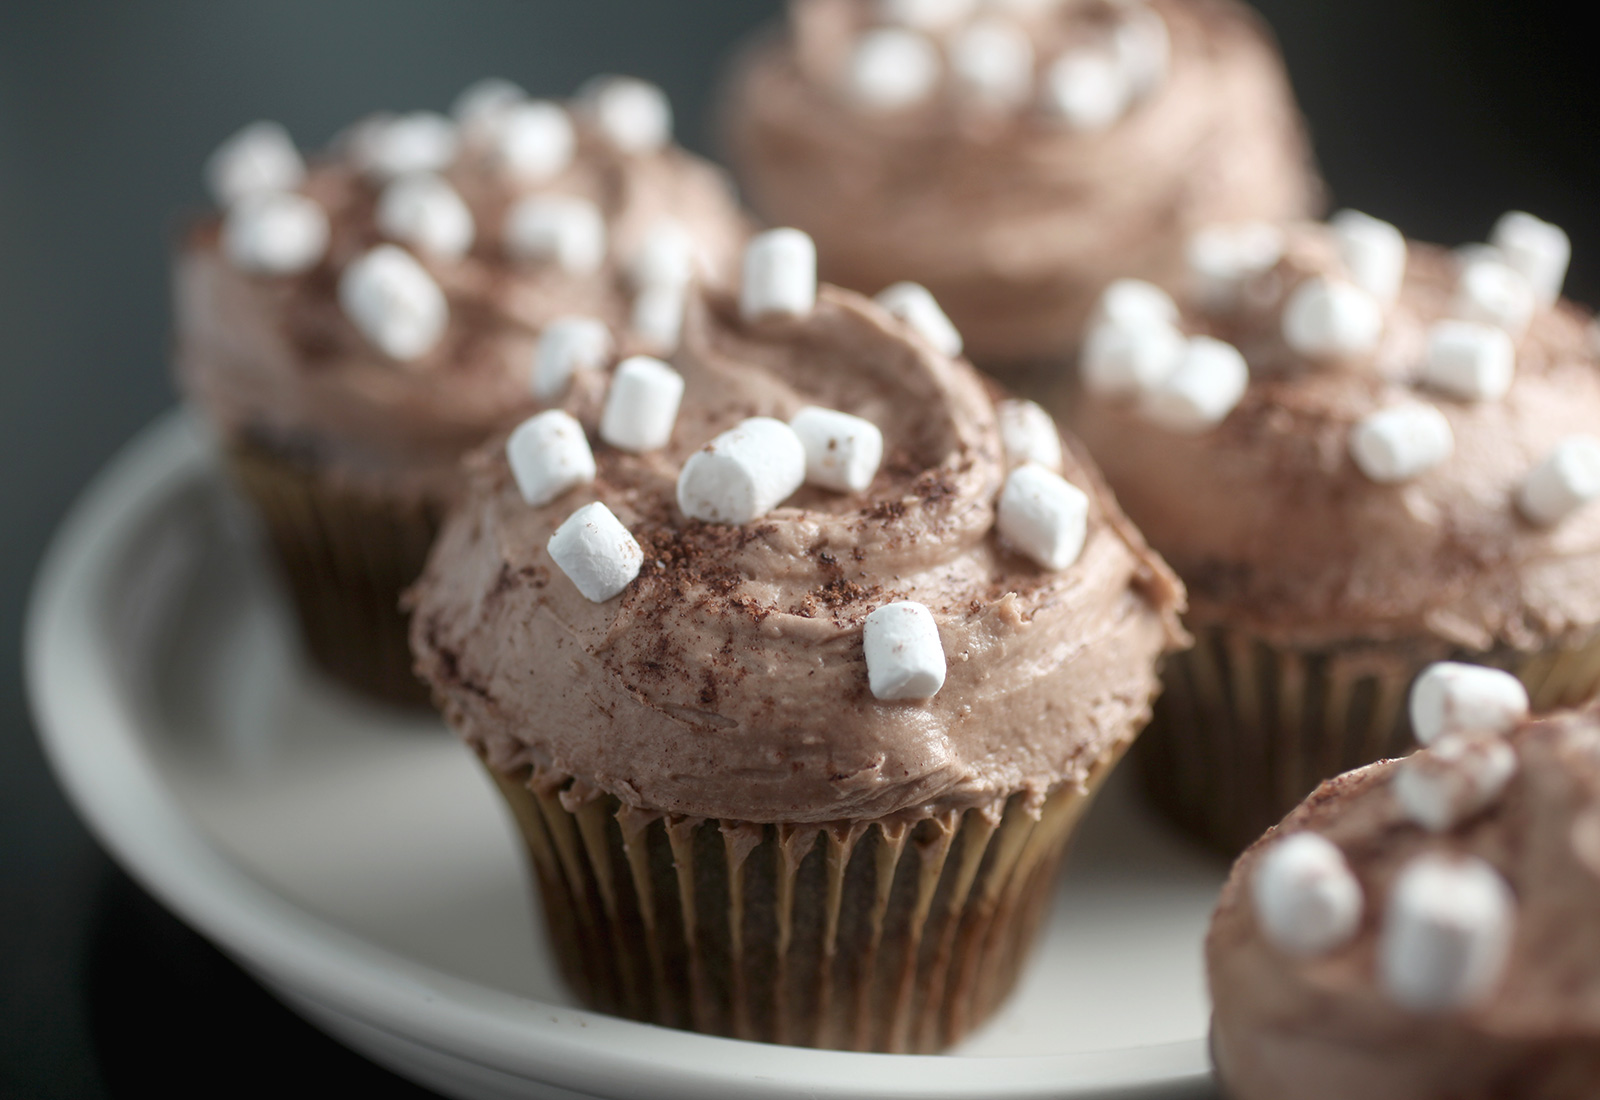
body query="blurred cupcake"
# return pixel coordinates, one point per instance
(798, 660)
(1362, 456)
(1015, 156)
(352, 326)
(1426, 928)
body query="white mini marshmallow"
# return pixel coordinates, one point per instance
(258, 159)
(549, 454)
(891, 69)
(642, 405)
(780, 275)
(482, 103)
(1442, 786)
(1127, 360)
(667, 256)
(401, 145)
(1468, 360)
(533, 141)
(1029, 434)
(275, 233)
(426, 213)
(1446, 933)
(1535, 249)
(394, 302)
(1044, 516)
(1209, 380)
(565, 230)
(842, 451)
(1086, 90)
(596, 552)
(1306, 899)
(1373, 250)
(1565, 481)
(1492, 293)
(744, 473)
(913, 304)
(567, 345)
(926, 14)
(992, 61)
(1401, 442)
(1222, 259)
(634, 115)
(1133, 302)
(905, 657)
(1452, 699)
(1143, 47)
(657, 316)
(1331, 319)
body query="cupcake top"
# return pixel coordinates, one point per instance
(1423, 927)
(1361, 438)
(812, 571)
(1015, 155)
(380, 306)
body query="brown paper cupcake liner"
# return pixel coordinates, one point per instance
(1244, 729)
(875, 935)
(346, 555)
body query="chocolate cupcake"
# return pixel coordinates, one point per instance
(795, 736)
(1424, 928)
(1362, 457)
(1015, 157)
(351, 327)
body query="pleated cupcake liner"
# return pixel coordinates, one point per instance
(880, 935)
(1245, 729)
(346, 556)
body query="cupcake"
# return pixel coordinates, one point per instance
(1015, 156)
(1424, 928)
(1362, 456)
(797, 659)
(352, 326)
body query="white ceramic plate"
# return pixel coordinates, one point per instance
(359, 865)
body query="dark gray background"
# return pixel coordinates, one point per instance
(1434, 115)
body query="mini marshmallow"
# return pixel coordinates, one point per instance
(1222, 259)
(1143, 46)
(258, 159)
(1492, 293)
(549, 454)
(1126, 360)
(1536, 250)
(891, 69)
(1306, 899)
(1029, 434)
(534, 140)
(565, 230)
(1044, 516)
(482, 103)
(426, 213)
(394, 302)
(744, 473)
(634, 115)
(1133, 302)
(913, 304)
(1209, 380)
(1446, 933)
(780, 275)
(1565, 481)
(1373, 250)
(657, 316)
(905, 657)
(842, 451)
(926, 14)
(1451, 699)
(1471, 361)
(275, 233)
(1440, 787)
(642, 405)
(1086, 90)
(992, 60)
(401, 145)
(566, 345)
(1331, 319)
(1401, 442)
(665, 257)
(596, 552)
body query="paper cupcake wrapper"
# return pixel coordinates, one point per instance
(1244, 729)
(346, 556)
(873, 935)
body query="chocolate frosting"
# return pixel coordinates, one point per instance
(728, 680)
(1322, 1028)
(1275, 529)
(1015, 223)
